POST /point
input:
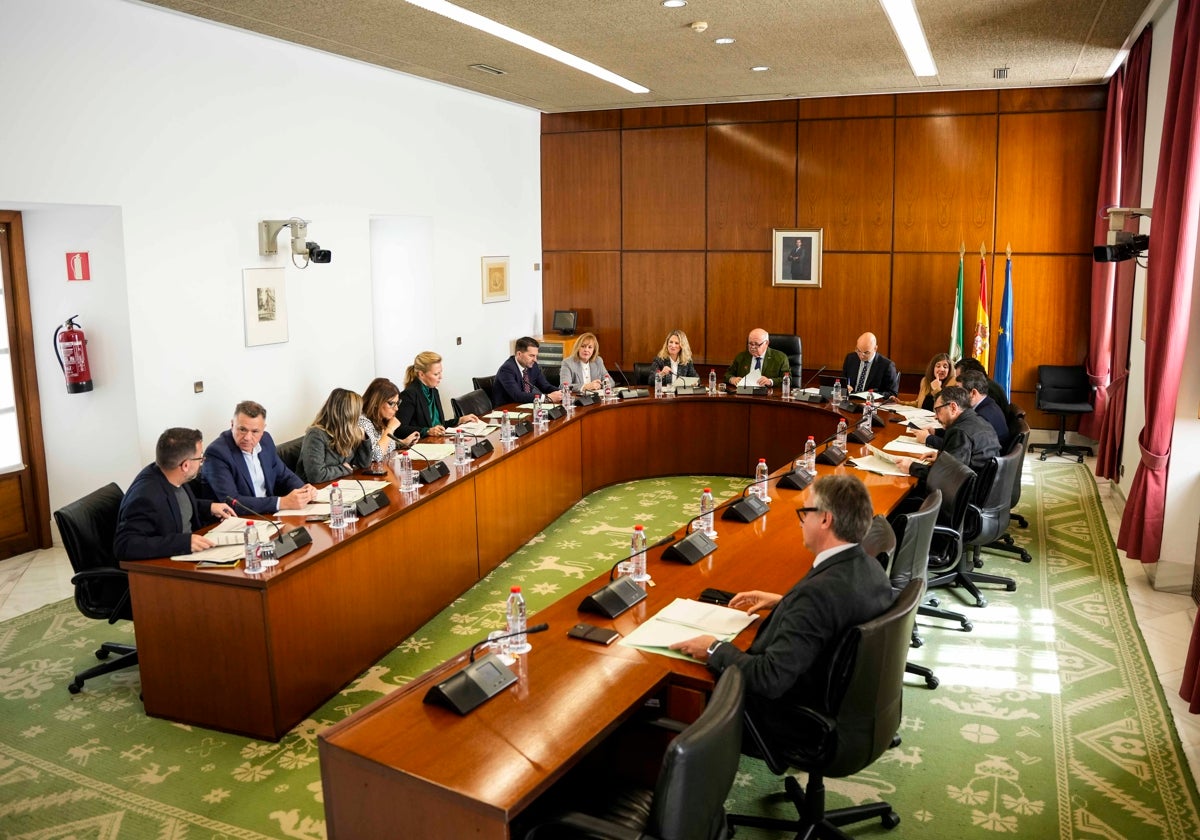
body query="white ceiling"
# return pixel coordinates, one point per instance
(813, 47)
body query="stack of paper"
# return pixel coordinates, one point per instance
(908, 445)
(351, 489)
(513, 416)
(480, 429)
(684, 619)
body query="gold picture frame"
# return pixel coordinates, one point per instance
(495, 279)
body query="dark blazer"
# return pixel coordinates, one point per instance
(148, 520)
(970, 439)
(319, 462)
(989, 411)
(882, 378)
(226, 474)
(774, 363)
(786, 663)
(508, 387)
(413, 412)
(664, 364)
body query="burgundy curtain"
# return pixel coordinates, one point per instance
(1168, 287)
(1112, 283)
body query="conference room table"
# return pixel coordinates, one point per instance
(256, 655)
(403, 762)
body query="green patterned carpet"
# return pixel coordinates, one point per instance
(1048, 721)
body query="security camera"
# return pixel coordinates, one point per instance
(318, 254)
(1122, 244)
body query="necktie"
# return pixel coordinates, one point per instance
(862, 375)
(757, 363)
(525, 386)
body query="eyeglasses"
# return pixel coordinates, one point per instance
(755, 343)
(938, 407)
(199, 458)
(863, 353)
(801, 512)
(394, 403)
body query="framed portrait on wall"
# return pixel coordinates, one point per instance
(264, 306)
(495, 279)
(796, 258)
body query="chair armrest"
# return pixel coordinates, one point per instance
(573, 824)
(950, 537)
(670, 724)
(98, 574)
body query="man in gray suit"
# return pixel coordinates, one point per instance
(787, 660)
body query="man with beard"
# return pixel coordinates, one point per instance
(160, 511)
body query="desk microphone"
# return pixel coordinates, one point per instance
(433, 469)
(537, 628)
(747, 508)
(368, 502)
(478, 682)
(813, 378)
(805, 397)
(285, 544)
(482, 446)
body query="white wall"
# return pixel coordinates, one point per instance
(186, 134)
(1174, 569)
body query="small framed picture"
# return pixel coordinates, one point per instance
(796, 259)
(495, 279)
(265, 306)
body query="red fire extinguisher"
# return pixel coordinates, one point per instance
(70, 345)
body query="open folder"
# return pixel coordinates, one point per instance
(685, 619)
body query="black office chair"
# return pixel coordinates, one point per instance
(487, 384)
(1063, 390)
(956, 481)
(910, 561)
(553, 374)
(474, 402)
(643, 373)
(791, 347)
(1018, 441)
(289, 452)
(858, 720)
(688, 800)
(87, 527)
(1018, 422)
(987, 515)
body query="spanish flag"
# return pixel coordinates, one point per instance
(980, 348)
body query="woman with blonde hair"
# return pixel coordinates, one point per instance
(334, 444)
(584, 366)
(421, 410)
(378, 419)
(675, 357)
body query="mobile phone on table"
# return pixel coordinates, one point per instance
(716, 596)
(592, 633)
(316, 518)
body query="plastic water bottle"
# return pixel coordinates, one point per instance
(568, 400)
(870, 409)
(836, 399)
(506, 435)
(841, 435)
(460, 448)
(760, 475)
(337, 514)
(637, 555)
(608, 388)
(785, 387)
(402, 465)
(810, 456)
(712, 383)
(518, 643)
(539, 412)
(658, 386)
(707, 519)
(250, 541)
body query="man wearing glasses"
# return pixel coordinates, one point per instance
(758, 364)
(867, 370)
(969, 438)
(242, 464)
(785, 664)
(159, 511)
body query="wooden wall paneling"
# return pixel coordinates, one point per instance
(854, 298)
(835, 107)
(945, 103)
(1047, 180)
(660, 292)
(662, 192)
(589, 282)
(945, 183)
(741, 298)
(581, 121)
(751, 184)
(844, 182)
(923, 287)
(581, 191)
(1070, 98)
(660, 117)
(772, 110)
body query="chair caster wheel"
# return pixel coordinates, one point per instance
(890, 820)
(102, 654)
(1012, 586)
(931, 682)
(968, 627)
(933, 602)
(1080, 459)
(981, 602)
(917, 642)
(1026, 557)
(1042, 457)
(75, 687)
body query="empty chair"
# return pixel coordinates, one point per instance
(643, 373)
(858, 720)
(791, 347)
(956, 481)
(553, 374)
(87, 527)
(289, 452)
(1019, 440)
(1063, 390)
(910, 561)
(987, 515)
(688, 800)
(487, 384)
(473, 402)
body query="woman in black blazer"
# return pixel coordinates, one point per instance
(420, 404)
(675, 357)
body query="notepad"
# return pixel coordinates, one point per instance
(685, 619)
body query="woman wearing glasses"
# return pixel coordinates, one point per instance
(334, 444)
(378, 420)
(421, 411)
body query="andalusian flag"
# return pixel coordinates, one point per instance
(980, 347)
(956, 326)
(1004, 343)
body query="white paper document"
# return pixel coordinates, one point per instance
(877, 465)
(908, 445)
(429, 452)
(351, 491)
(481, 429)
(684, 619)
(513, 416)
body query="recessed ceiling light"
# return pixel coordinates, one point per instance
(907, 25)
(674, 4)
(724, 41)
(760, 68)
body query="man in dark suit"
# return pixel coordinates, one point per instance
(785, 664)
(993, 387)
(759, 364)
(867, 370)
(520, 379)
(969, 437)
(242, 464)
(976, 385)
(160, 511)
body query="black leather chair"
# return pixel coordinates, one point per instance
(858, 720)
(474, 402)
(643, 373)
(485, 384)
(956, 481)
(553, 374)
(1018, 440)
(1018, 422)
(791, 347)
(987, 516)
(910, 561)
(1064, 390)
(87, 527)
(289, 452)
(688, 800)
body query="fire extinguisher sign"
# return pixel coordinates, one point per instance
(77, 266)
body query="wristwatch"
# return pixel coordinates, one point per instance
(713, 647)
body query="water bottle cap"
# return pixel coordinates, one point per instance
(249, 523)
(515, 589)
(707, 489)
(762, 460)
(810, 437)
(638, 528)
(335, 484)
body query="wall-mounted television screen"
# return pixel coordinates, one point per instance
(564, 321)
